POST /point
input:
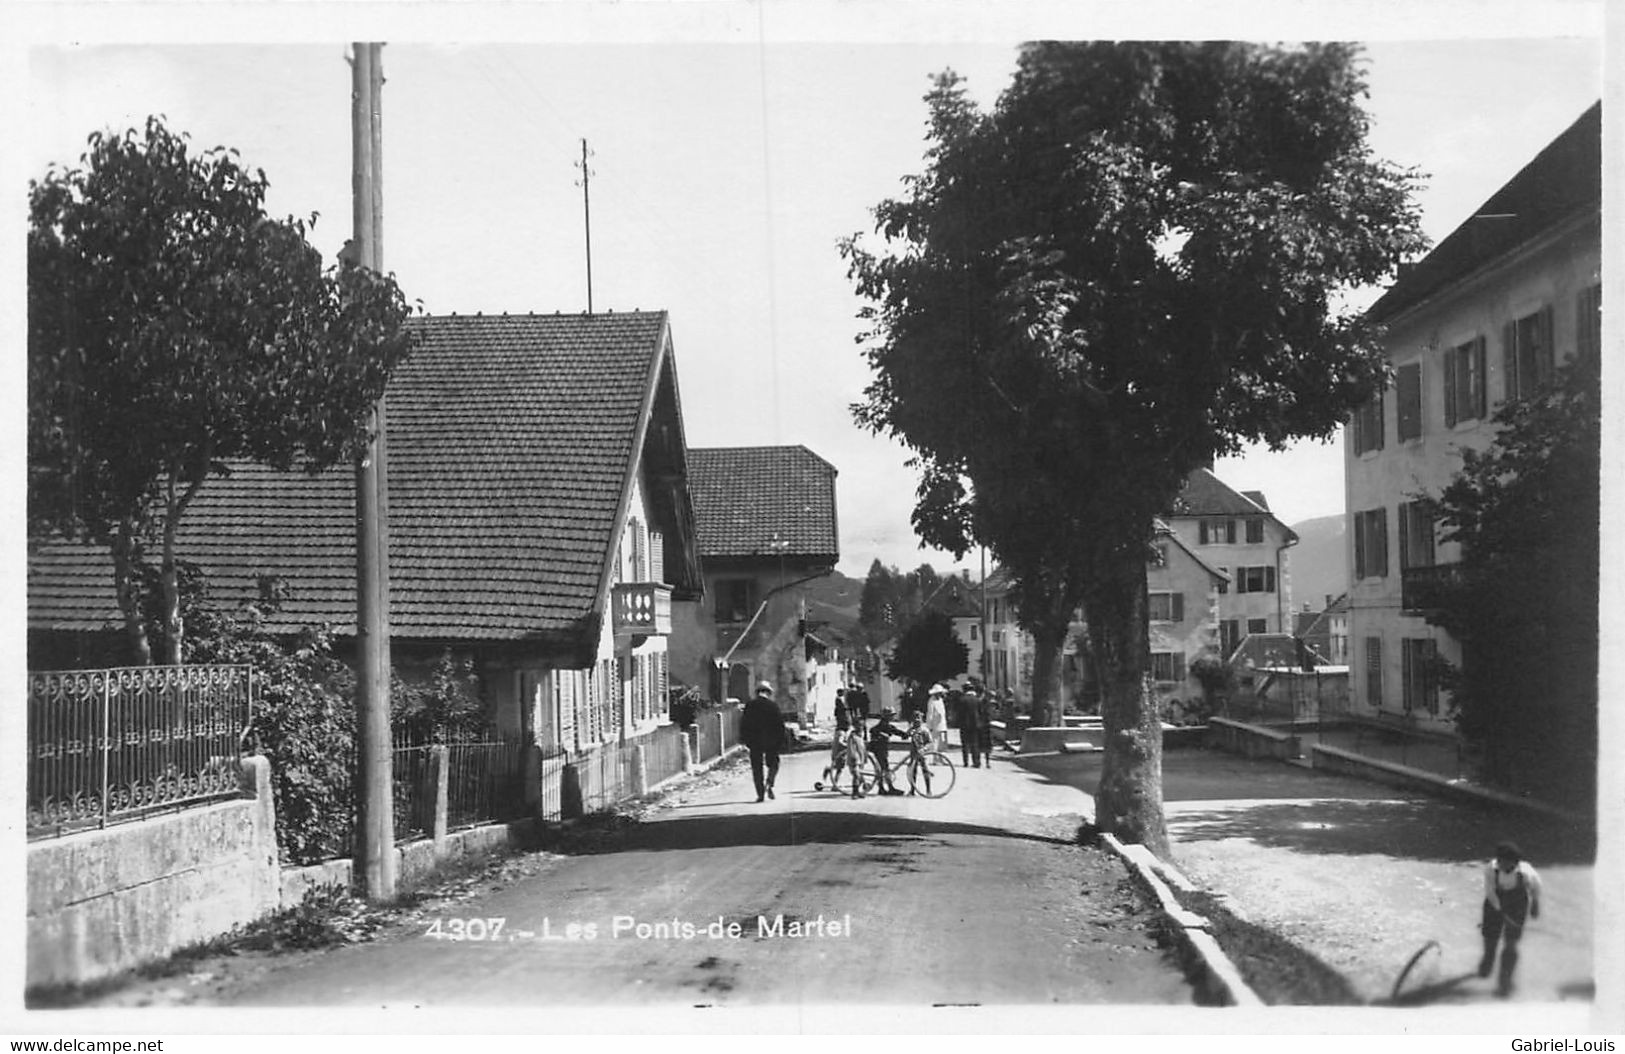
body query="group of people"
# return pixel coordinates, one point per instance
(973, 714)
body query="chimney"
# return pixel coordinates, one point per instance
(1328, 600)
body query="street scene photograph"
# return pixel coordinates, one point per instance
(806, 519)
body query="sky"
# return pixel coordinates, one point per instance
(731, 146)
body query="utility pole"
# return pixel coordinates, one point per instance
(586, 210)
(375, 834)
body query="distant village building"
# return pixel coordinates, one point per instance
(1481, 319)
(766, 523)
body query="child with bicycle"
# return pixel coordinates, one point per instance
(880, 737)
(1511, 895)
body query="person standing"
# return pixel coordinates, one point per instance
(969, 716)
(936, 715)
(762, 729)
(984, 727)
(1511, 895)
(857, 705)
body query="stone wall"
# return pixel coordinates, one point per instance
(106, 900)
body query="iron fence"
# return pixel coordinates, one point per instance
(114, 744)
(484, 781)
(551, 805)
(413, 784)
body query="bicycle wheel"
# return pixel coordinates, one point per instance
(932, 775)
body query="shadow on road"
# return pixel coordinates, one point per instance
(663, 832)
(1284, 806)
(1419, 830)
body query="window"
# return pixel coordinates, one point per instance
(1588, 327)
(1159, 554)
(1255, 531)
(1216, 532)
(1373, 672)
(1229, 636)
(1421, 685)
(1168, 666)
(1408, 392)
(1367, 425)
(1224, 586)
(1371, 543)
(1464, 383)
(974, 630)
(1167, 607)
(1527, 346)
(1415, 535)
(1258, 625)
(736, 599)
(1260, 579)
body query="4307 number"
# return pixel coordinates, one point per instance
(466, 929)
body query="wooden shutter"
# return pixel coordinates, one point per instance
(1360, 520)
(1178, 607)
(1408, 385)
(1381, 518)
(1179, 666)
(1478, 385)
(1230, 532)
(1201, 532)
(1404, 534)
(1269, 579)
(1509, 361)
(1450, 386)
(1546, 358)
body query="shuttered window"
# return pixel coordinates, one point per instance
(1373, 672)
(1216, 532)
(1168, 666)
(1167, 607)
(1588, 324)
(1257, 579)
(1416, 544)
(1367, 425)
(1527, 360)
(1371, 543)
(1408, 393)
(1418, 672)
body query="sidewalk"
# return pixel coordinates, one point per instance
(1361, 875)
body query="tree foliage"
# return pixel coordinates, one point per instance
(893, 599)
(1524, 600)
(928, 651)
(173, 327)
(1124, 270)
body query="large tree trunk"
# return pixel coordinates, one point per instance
(1049, 638)
(1128, 802)
(126, 550)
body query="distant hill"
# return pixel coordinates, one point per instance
(1319, 561)
(833, 600)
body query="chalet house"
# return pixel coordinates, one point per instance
(538, 515)
(765, 520)
(1481, 319)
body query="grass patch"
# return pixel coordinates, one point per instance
(1278, 970)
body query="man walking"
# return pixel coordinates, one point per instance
(762, 729)
(969, 714)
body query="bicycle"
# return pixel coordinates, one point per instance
(930, 773)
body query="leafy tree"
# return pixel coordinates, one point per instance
(928, 651)
(1524, 599)
(173, 326)
(1124, 270)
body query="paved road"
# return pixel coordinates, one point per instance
(982, 897)
(1362, 875)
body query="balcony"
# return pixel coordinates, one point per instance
(1422, 589)
(640, 610)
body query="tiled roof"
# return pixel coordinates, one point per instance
(1204, 494)
(1564, 180)
(510, 442)
(746, 497)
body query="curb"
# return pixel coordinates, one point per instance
(1219, 977)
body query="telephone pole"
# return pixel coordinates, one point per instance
(586, 213)
(375, 827)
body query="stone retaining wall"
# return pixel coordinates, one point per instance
(1252, 741)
